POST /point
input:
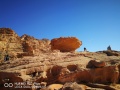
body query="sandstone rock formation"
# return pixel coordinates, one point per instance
(73, 86)
(10, 42)
(96, 64)
(96, 75)
(15, 46)
(53, 87)
(11, 79)
(111, 53)
(55, 69)
(34, 46)
(65, 44)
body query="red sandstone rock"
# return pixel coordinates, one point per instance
(61, 67)
(10, 78)
(96, 64)
(65, 44)
(96, 75)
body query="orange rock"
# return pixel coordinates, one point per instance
(102, 75)
(96, 75)
(34, 46)
(96, 64)
(25, 45)
(10, 42)
(65, 44)
(11, 78)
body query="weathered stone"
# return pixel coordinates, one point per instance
(100, 86)
(6, 31)
(72, 67)
(65, 44)
(96, 64)
(96, 75)
(54, 87)
(11, 43)
(36, 63)
(73, 86)
(34, 46)
(10, 78)
(111, 53)
(55, 70)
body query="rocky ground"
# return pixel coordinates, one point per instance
(44, 64)
(66, 70)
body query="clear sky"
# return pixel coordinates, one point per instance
(95, 22)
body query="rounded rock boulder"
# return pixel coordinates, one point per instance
(65, 44)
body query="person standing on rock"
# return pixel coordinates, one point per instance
(85, 49)
(6, 58)
(109, 48)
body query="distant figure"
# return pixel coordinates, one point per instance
(85, 49)
(109, 48)
(6, 58)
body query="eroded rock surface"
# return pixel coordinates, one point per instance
(55, 69)
(12, 79)
(10, 42)
(73, 86)
(96, 63)
(34, 46)
(58, 67)
(17, 47)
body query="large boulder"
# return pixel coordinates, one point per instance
(65, 44)
(95, 75)
(105, 74)
(73, 86)
(96, 64)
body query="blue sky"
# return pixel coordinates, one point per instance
(95, 22)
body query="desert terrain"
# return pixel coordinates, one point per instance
(55, 64)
